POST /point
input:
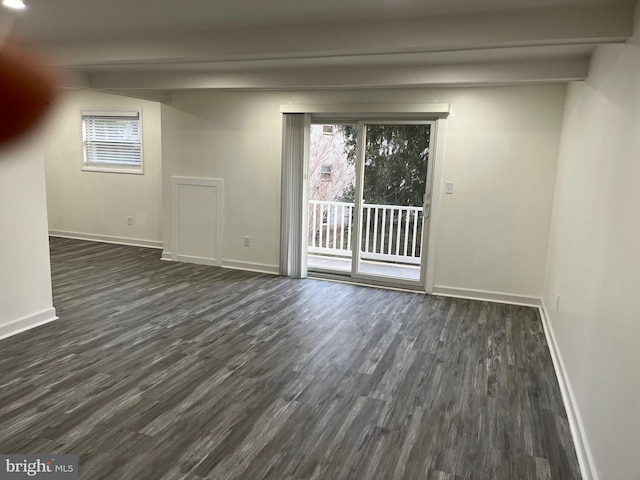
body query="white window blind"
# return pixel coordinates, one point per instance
(295, 149)
(112, 139)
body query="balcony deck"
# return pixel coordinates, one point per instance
(369, 267)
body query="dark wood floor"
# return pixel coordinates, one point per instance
(161, 370)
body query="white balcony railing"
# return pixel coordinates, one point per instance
(391, 233)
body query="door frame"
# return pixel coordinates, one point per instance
(433, 184)
(359, 201)
(436, 113)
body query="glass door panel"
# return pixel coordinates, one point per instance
(394, 166)
(331, 186)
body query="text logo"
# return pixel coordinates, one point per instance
(39, 467)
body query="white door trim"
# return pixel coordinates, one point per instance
(216, 183)
(437, 167)
(359, 110)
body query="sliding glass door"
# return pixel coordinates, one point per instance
(372, 225)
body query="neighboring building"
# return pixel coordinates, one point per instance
(330, 173)
(331, 176)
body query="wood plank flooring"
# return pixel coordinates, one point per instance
(160, 370)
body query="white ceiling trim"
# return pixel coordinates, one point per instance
(436, 109)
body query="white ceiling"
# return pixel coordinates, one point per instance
(79, 19)
(166, 45)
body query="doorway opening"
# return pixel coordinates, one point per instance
(369, 185)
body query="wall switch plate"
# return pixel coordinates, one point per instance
(129, 220)
(247, 241)
(448, 187)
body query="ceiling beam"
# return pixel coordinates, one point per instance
(515, 28)
(74, 78)
(162, 96)
(509, 72)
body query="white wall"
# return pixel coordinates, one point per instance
(500, 151)
(97, 204)
(594, 257)
(25, 276)
(236, 137)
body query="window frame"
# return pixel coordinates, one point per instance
(328, 132)
(107, 167)
(326, 175)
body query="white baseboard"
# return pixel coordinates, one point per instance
(212, 262)
(231, 264)
(251, 267)
(583, 451)
(26, 323)
(486, 296)
(135, 242)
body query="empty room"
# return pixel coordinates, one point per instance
(335, 240)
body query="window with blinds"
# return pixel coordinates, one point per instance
(112, 141)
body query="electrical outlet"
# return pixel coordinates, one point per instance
(557, 302)
(247, 241)
(129, 220)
